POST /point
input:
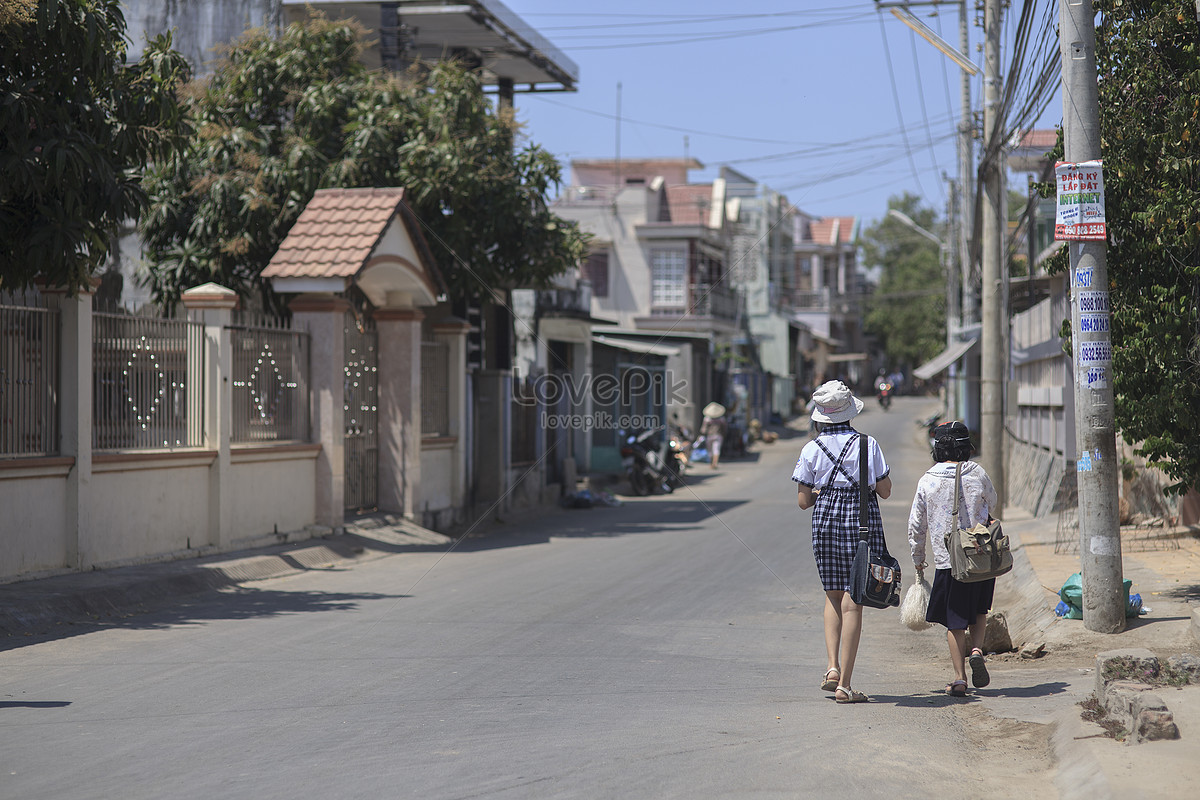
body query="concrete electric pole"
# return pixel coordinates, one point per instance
(959, 306)
(1095, 431)
(994, 281)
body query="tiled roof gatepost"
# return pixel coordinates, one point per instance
(399, 409)
(324, 317)
(212, 306)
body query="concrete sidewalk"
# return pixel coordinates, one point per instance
(1166, 572)
(31, 607)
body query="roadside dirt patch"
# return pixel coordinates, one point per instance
(1016, 759)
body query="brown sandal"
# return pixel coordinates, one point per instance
(844, 694)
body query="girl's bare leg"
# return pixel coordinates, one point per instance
(833, 628)
(958, 653)
(851, 631)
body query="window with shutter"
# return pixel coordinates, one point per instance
(595, 271)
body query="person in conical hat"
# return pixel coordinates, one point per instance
(827, 475)
(713, 430)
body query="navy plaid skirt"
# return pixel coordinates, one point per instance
(835, 533)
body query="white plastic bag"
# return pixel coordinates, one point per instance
(914, 604)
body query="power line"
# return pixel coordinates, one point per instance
(896, 97)
(912, 36)
(659, 20)
(808, 148)
(721, 36)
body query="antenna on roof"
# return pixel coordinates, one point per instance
(617, 163)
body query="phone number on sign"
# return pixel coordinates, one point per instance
(1095, 354)
(1083, 231)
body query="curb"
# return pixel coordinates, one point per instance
(1079, 774)
(1196, 623)
(38, 606)
(86, 598)
(1022, 599)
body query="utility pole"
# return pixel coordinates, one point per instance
(991, 389)
(966, 157)
(959, 312)
(966, 193)
(1095, 430)
(950, 265)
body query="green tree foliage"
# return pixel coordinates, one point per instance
(1149, 68)
(77, 126)
(907, 313)
(284, 117)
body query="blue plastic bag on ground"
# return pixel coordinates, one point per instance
(1071, 595)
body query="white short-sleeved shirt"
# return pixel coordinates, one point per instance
(933, 506)
(815, 469)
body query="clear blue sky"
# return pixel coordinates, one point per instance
(798, 95)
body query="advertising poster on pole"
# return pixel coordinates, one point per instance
(1079, 210)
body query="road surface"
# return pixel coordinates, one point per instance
(670, 647)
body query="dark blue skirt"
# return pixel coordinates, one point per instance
(956, 604)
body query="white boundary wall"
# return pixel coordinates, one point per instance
(79, 509)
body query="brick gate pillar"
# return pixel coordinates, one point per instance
(212, 306)
(399, 331)
(324, 317)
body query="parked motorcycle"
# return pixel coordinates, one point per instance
(680, 451)
(885, 395)
(649, 465)
(929, 423)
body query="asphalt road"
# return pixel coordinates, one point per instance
(671, 647)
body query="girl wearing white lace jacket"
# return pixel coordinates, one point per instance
(958, 606)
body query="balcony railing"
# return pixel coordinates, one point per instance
(586, 195)
(568, 302)
(826, 300)
(704, 300)
(807, 301)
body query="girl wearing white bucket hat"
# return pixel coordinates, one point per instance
(827, 476)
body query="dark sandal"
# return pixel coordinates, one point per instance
(957, 689)
(979, 673)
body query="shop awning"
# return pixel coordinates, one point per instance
(944, 359)
(840, 358)
(633, 346)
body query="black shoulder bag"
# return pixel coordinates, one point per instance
(874, 577)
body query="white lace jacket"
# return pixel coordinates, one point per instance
(930, 517)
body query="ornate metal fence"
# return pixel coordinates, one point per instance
(147, 385)
(28, 380)
(270, 382)
(362, 415)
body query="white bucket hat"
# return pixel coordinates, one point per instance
(835, 403)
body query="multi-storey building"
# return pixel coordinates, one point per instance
(762, 269)
(658, 270)
(825, 294)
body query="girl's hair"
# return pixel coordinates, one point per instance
(951, 442)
